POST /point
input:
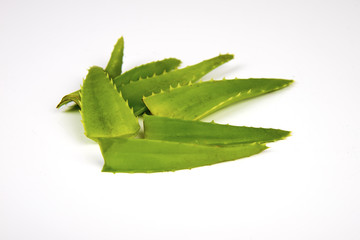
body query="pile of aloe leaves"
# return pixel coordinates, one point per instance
(171, 103)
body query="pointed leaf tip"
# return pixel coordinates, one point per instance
(119, 157)
(188, 102)
(104, 111)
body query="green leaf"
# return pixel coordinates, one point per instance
(177, 130)
(114, 65)
(135, 91)
(140, 72)
(72, 97)
(147, 70)
(146, 156)
(104, 112)
(196, 101)
(113, 69)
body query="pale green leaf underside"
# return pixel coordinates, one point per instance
(135, 91)
(177, 130)
(104, 112)
(146, 156)
(196, 101)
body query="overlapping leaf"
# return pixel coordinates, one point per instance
(135, 91)
(198, 100)
(114, 69)
(104, 112)
(177, 130)
(145, 156)
(173, 140)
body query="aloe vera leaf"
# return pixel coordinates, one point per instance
(178, 130)
(71, 97)
(196, 101)
(114, 65)
(135, 91)
(104, 112)
(134, 74)
(113, 68)
(147, 70)
(146, 156)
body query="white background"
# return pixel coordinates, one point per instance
(305, 187)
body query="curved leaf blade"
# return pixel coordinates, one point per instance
(72, 97)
